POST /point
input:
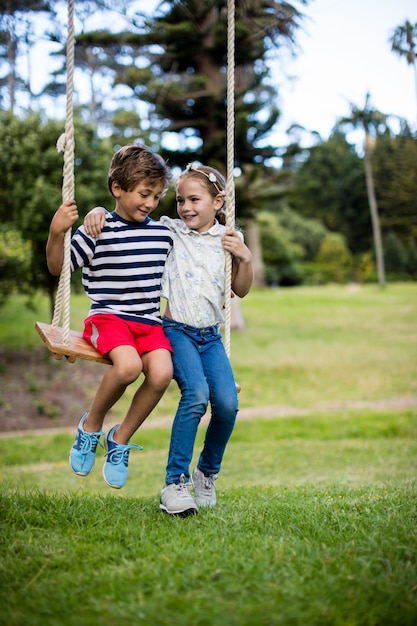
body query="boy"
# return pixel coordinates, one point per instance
(122, 271)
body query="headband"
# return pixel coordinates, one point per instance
(211, 177)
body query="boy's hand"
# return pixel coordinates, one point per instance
(61, 222)
(94, 221)
(64, 218)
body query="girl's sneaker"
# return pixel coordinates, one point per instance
(204, 488)
(115, 469)
(177, 500)
(83, 452)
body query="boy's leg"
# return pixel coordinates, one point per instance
(158, 369)
(126, 368)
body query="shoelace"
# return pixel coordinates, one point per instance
(208, 483)
(182, 488)
(120, 454)
(89, 442)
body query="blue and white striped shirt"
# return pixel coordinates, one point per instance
(123, 267)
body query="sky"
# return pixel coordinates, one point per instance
(345, 53)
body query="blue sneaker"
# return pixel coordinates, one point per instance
(115, 469)
(83, 452)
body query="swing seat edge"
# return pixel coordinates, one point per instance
(77, 347)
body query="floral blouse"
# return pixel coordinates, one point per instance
(194, 276)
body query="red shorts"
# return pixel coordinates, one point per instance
(106, 332)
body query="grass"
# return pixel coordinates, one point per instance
(316, 524)
(316, 521)
(273, 556)
(301, 347)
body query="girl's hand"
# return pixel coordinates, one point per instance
(233, 243)
(242, 268)
(94, 221)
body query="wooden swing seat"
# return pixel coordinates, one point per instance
(77, 347)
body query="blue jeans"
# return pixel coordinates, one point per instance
(203, 373)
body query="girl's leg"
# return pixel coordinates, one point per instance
(224, 406)
(189, 375)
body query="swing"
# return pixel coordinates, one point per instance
(60, 340)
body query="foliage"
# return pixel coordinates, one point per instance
(287, 239)
(306, 233)
(400, 259)
(334, 260)
(15, 32)
(404, 42)
(280, 252)
(172, 67)
(330, 187)
(395, 172)
(32, 185)
(15, 261)
(373, 123)
(176, 62)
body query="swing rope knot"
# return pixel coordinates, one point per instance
(61, 142)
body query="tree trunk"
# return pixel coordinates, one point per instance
(253, 240)
(237, 321)
(373, 207)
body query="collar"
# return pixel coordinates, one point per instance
(216, 229)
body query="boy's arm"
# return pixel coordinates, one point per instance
(63, 219)
(242, 268)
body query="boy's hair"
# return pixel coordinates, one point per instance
(132, 164)
(213, 181)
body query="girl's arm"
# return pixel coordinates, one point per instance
(242, 268)
(95, 220)
(63, 219)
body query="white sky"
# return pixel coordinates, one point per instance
(345, 53)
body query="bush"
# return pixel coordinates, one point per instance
(15, 261)
(334, 260)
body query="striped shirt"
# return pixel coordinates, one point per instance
(123, 267)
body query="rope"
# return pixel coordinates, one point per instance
(230, 187)
(66, 144)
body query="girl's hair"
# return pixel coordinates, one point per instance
(132, 164)
(213, 181)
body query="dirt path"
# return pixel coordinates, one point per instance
(39, 394)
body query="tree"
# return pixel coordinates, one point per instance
(15, 30)
(394, 167)
(177, 64)
(329, 186)
(31, 189)
(403, 43)
(371, 121)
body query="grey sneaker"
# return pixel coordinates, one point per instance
(204, 488)
(177, 500)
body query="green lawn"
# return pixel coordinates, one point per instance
(316, 523)
(304, 347)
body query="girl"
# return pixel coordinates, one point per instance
(194, 286)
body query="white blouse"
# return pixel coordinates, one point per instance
(194, 276)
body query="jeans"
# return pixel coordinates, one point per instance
(203, 373)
